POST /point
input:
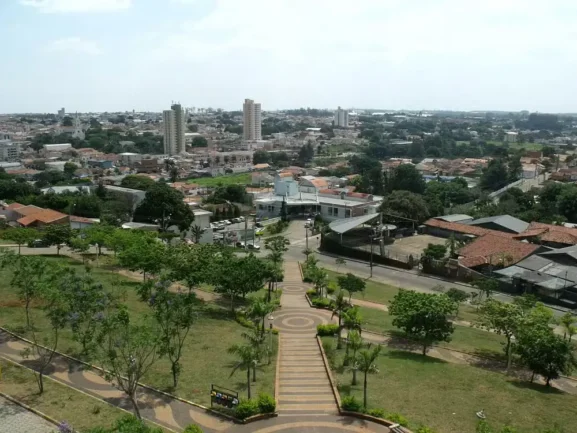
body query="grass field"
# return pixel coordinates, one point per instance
(205, 360)
(229, 179)
(446, 396)
(58, 401)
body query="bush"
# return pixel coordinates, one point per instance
(457, 295)
(192, 428)
(311, 293)
(266, 403)
(327, 330)
(424, 429)
(243, 321)
(398, 418)
(331, 288)
(321, 303)
(246, 408)
(377, 413)
(351, 404)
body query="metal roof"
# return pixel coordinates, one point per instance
(344, 225)
(506, 221)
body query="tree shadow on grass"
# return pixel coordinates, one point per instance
(538, 387)
(415, 357)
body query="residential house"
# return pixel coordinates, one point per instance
(502, 223)
(150, 165)
(550, 235)
(489, 251)
(261, 178)
(80, 223)
(56, 150)
(33, 216)
(312, 184)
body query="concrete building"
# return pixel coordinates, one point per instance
(330, 204)
(341, 118)
(511, 136)
(62, 113)
(251, 120)
(56, 150)
(174, 126)
(130, 158)
(9, 151)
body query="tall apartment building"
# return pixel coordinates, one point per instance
(9, 151)
(252, 120)
(174, 127)
(341, 118)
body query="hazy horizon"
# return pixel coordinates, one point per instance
(440, 55)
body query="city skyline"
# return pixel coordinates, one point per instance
(441, 55)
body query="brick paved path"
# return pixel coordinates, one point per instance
(16, 419)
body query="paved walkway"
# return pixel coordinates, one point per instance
(16, 419)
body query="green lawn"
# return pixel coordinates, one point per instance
(466, 339)
(229, 179)
(205, 359)
(58, 401)
(446, 396)
(374, 292)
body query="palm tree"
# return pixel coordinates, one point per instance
(258, 311)
(340, 306)
(453, 245)
(320, 281)
(246, 360)
(355, 343)
(256, 342)
(366, 363)
(196, 232)
(568, 321)
(352, 321)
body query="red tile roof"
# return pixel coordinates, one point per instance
(28, 210)
(491, 249)
(78, 219)
(550, 233)
(14, 206)
(464, 228)
(45, 216)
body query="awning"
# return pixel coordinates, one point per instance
(344, 225)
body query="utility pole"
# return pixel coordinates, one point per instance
(246, 234)
(371, 256)
(307, 236)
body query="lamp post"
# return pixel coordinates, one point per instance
(270, 322)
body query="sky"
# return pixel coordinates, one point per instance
(116, 55)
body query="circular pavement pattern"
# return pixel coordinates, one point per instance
(293, 288)
(300, 321)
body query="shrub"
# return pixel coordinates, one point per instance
(331, 288)
(246, 408)
(377, 413)
(311, 293)
(243, 321)
(351, 404)
(327, 330)
(424, 429)
(398, 418)
(321, 303)
(266, 403)
(192, 428)
(457, 295)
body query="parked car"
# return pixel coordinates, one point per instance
(240, 244)
(227, 222)
(38, 243)
(241, 219)
(253, 247)
(259, 231)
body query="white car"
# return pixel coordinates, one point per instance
(227, 222)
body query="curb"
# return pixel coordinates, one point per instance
(259, 417)
(30, 409)
(330, 374)
(94, 367)
(301, 271)
(374, 419)
(277, 374)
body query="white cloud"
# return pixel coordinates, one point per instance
(71, 6)
(74, 45)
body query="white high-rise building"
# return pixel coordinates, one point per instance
(341, 118)
(252, 120)
(9, 151)
(174, 124)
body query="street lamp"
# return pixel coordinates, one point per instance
(270, 322)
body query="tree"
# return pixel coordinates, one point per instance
(98, 234)
(340, 306)
(501, 318)
(173, 173)
(277, 245)
(567, 203)
(20, 235)
(199, 142)
(545, 353)
(351, 283)
(260, 157)
(568, 321)
(137, 181)
(514, 169)
(196, 231)
(164, 206)
(28, 276)
(339, 261)
(355, 343)
(247, 358)
(192, 265)
(146, 255)
(86, 302)
(485, 286)
(258, 310)
(366, 364)
(70, 168)
(128, 351)
(406, 178)
(54, 308)
(407, 205)
(453, 245)
(352, 321)
(435, 251)
(80, 246)
(175, 314)
(495, 176)
(57, 234)
(67, 121)
(423, 316)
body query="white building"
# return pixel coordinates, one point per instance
(9, 151)
(341, 118)
(75, 131)
(56, 150)
(511, 136)
(62, 113)
(330, 204)
(252, 120)
(130, 158)
(174, 130)
(239, 161)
